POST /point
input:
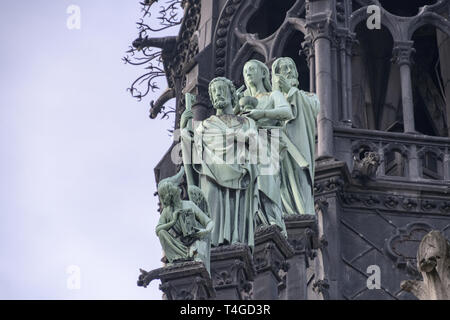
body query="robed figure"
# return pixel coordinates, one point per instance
(184, 226)
(218, 149)
(270, 110)
(297, 166)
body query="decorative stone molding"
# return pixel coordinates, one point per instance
(409, 204)
(401, 247)
(271, 253)
(396, 202)
(321, 25)
(321, 286)
(402, 53)
(340, 11)
(302, 234)
(271, 235)
(232, 271)
(331, 184)
(221, 36)
(308, 47)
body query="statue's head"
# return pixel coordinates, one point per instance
(168, 192)
(286, 67)
(168, 189)
(222, 93)
(433, 249)
(256, 72)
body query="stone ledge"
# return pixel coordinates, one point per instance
(235, 251)
(272, 233)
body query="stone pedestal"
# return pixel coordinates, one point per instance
(302, 236)
(232, 272)
(186, 281)
(271, 253)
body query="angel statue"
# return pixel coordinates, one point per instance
(184, 226)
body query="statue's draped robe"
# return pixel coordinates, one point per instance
(297, 166)
(270, 205)
(226, 176)
(171, 241)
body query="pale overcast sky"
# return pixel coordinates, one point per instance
(77, 154)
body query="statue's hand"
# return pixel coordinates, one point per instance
(248, 101)
(256, 114)
(240, 92)
(176, 214)
(185, 117)
(281, 83)
(201, 233)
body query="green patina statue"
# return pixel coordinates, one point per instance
(184, 227)
(297, 165)
(270, 110)
(225, 174)
(230, 192)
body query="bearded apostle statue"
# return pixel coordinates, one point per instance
(216, 153)
(297, 166)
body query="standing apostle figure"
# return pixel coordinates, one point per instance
(297, 166)
(223, 169)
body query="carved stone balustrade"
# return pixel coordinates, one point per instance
(406, 158)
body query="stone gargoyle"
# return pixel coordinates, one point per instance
(365, 169)
(433, 262)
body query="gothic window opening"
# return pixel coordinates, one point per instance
(395, 164)
(428, 82)
(405, 8)
(269, 17)
(376, 81)
(432, 165)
